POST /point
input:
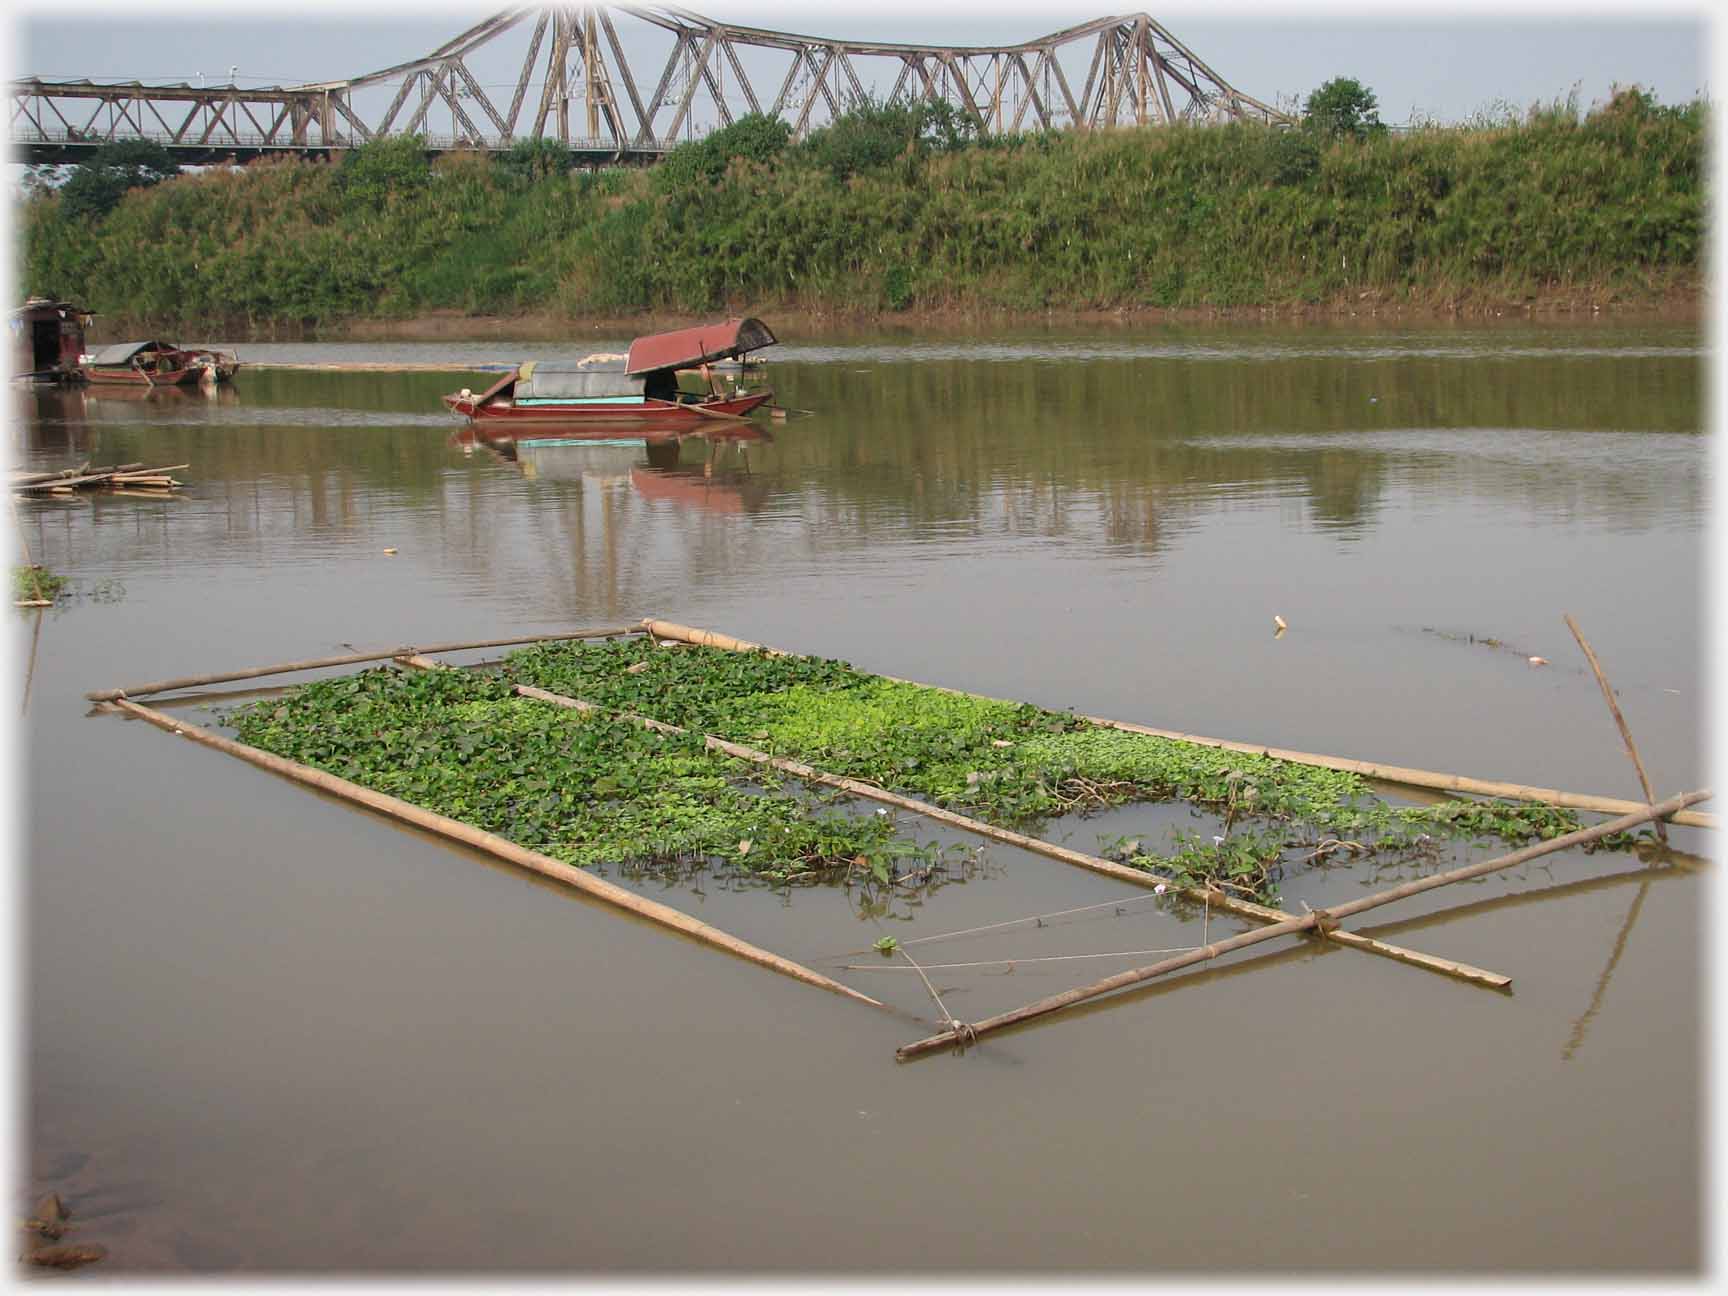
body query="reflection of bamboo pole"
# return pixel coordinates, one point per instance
(1583, 1023)
(30, 670)
(1620, 720)
(1321, 918)
(35, 581)
(193, 681)
(1518, 899)
(1199, 895)
(1385, 773)
(581, 880)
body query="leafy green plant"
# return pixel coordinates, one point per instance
(1342, 106)
(1018, 765)
(581, 788)
(393, 167)
(30, 583)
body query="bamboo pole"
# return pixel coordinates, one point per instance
(706, 638)
(1384, 773)
(1321, 918)
(1416, 777)
(1199, 895)
(467, 834)
(284, 668)
(1619, 720)
(1583, 837)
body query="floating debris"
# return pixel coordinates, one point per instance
(116, 477)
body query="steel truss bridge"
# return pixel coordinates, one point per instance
(578, 83)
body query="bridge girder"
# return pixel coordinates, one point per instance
(1137, 74)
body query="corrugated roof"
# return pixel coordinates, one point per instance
(121, 352)
(699, 345)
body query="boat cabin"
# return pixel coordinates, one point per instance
(48, 340)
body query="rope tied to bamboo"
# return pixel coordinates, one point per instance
(1324, 923)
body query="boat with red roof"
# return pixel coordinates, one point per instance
(664, 377)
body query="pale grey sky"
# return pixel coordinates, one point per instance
(1445, 65)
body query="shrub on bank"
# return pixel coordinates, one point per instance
(891, 208)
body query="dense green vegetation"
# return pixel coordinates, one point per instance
(581, 788)
(593, 788)
(891, 208)
(32, 583)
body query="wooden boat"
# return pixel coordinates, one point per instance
(664, 378)
(141, 364)
(158, 364)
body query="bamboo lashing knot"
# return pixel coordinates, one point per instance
(963, 1034)
(1324, 923)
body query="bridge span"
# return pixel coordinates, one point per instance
(576, 76)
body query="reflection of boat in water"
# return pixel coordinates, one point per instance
(178, 395)
(701, 487)
(665, 377)
(571, 459)
(153, 404)
(654, 460)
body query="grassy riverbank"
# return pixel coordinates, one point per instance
(884, 215)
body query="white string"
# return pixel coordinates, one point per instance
(1047, 958)
(1012, 922)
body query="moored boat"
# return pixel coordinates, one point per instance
(141, 364)
(664, 378)
(159, 364)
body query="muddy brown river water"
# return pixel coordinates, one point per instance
(266, 1032)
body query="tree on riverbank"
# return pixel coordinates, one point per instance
(893, 208)
(1343, 106)
(95, 188)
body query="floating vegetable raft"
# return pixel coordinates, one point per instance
(614, 746)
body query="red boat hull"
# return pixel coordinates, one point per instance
(658, 411)
(137, 377)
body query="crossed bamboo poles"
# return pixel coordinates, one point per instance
(1321, 922)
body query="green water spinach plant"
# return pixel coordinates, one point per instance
(1018, 765)
(587, 789)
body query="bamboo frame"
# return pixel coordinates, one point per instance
(1138, 877)
(1321, 919)
(349, 659)
(1384, 773)
(578, 879)
(1321, 922)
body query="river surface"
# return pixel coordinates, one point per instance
(266, 1032)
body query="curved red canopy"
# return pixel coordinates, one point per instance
(703, 344)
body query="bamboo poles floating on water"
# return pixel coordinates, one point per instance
(87, 478)
(350, 659)
(1319, 922)
(1384, 773)
(454, 829)
(1321, 919)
